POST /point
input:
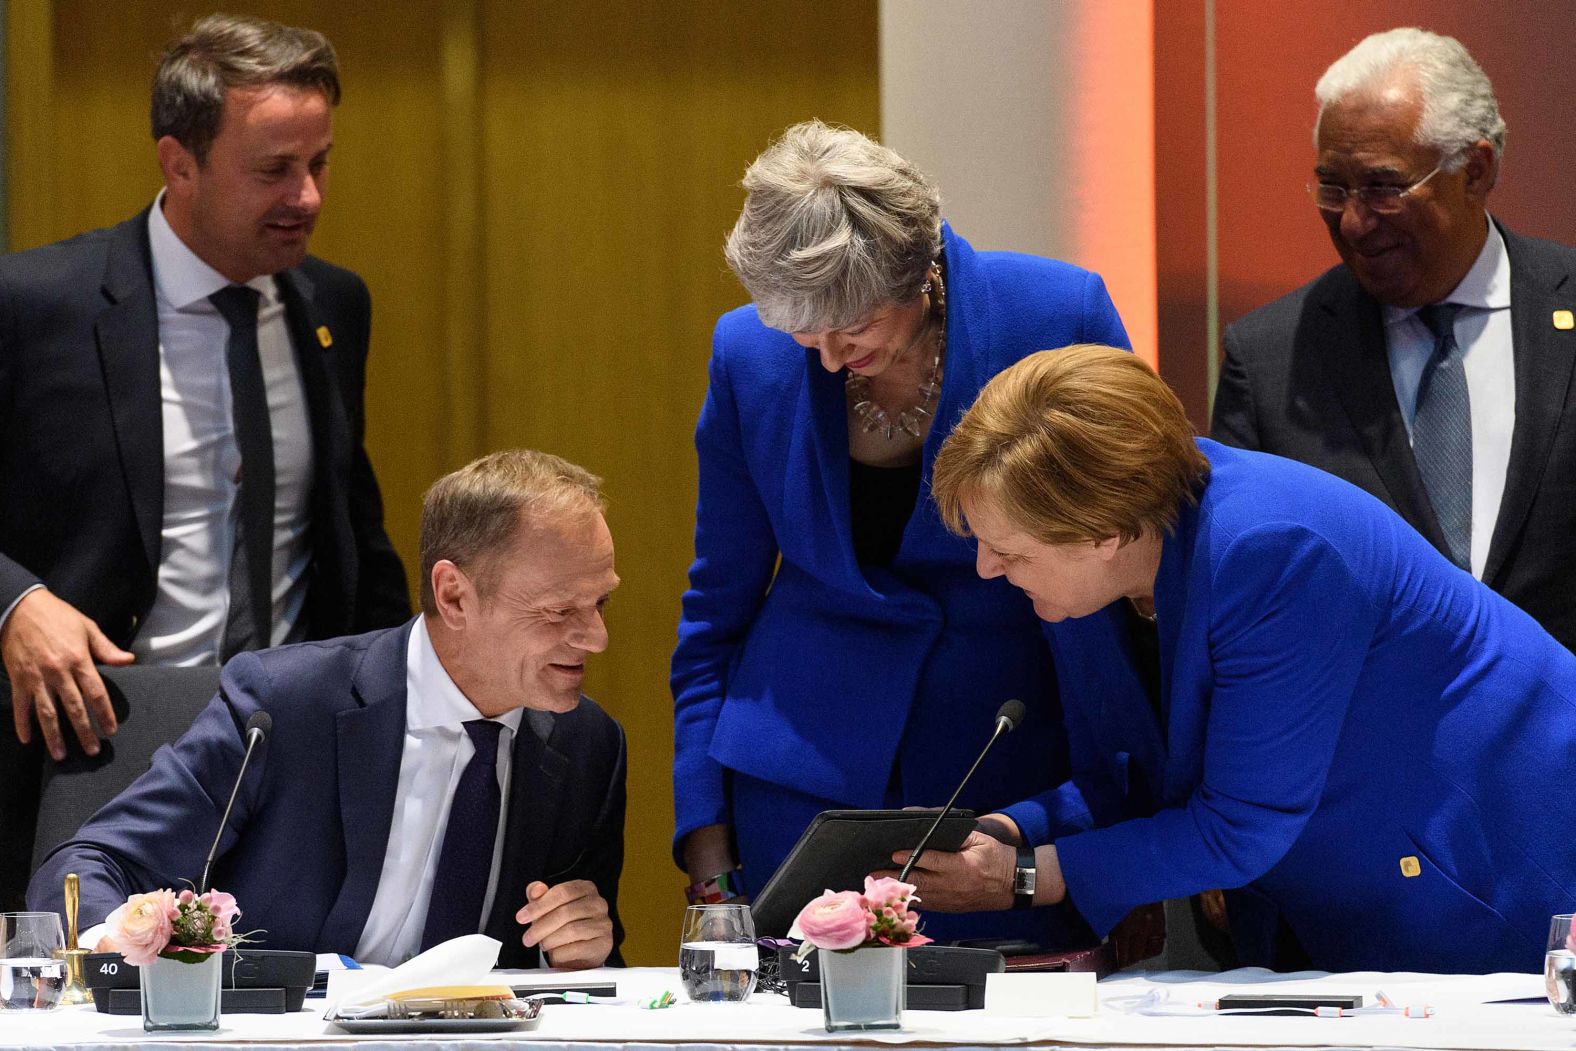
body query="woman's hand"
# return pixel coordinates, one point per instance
(976, 878)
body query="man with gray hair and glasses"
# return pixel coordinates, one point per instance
(182, 474)
(1433, 366)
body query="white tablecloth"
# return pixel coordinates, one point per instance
(1464, 1019)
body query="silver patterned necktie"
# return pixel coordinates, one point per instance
(1442, 433)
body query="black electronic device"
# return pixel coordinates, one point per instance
(841, 848)
(255, 981)
(938, 977)
(1287, 1003)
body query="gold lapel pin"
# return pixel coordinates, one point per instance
(1564, 320)
(1410, 867)
(325, 337)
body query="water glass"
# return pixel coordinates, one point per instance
(717, 954)
(32, 970)
(1559, 966)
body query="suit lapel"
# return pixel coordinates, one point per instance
(1359, 373)
(331, 445)
(536, 785)
(128, 347)
(369, 741)
(1544, 357)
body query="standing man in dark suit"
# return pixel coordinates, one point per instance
(419, 783)
(1433, 366)
(182, 474)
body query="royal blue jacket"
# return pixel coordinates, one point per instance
(799, 667)
(1356, 731)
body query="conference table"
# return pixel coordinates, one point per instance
(1470, 1012)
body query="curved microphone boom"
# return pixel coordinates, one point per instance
(1008, 716)
(258, 728)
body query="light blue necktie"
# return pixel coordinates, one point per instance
(1442, 433)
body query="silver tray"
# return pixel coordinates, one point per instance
(435, 1026)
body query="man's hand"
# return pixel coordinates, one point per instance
(569, 922)
(978, 878)
(49, 649)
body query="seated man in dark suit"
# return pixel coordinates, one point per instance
(422, 782)
(1434, 366)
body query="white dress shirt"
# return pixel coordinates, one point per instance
(1488, 354)
(202, 461)
(435, 754)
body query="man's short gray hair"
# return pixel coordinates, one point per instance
(233, 51)
(1459, 108)
(834, 225)
(474, 515)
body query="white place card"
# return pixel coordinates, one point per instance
(1042, 994)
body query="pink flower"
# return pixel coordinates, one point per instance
(887, 891)
(222, 905)
(894, 922)
(835, 920)
(140, 929)
(186, 897)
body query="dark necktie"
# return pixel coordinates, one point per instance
(465, 862)
(250, 622)
(1442, 433)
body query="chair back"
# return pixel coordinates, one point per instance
(154, 706)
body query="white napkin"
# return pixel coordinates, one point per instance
(466, 960)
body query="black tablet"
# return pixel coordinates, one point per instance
(841, 848)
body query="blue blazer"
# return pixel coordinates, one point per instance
(1369, 740)
(797, 666)
(304, 847)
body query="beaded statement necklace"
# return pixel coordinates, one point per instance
(910, 421)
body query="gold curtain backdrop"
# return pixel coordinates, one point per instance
(536, 194)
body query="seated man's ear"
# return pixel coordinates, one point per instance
(454, 595)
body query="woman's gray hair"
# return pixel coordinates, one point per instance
(834, 225)
(1459, 108)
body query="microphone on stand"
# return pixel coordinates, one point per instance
(258, 728)
(1008, 716)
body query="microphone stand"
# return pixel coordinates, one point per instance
(1005, 723)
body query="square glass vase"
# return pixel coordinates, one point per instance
(181, 996)
(863, 989)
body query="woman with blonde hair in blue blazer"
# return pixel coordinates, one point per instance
(1366, 746)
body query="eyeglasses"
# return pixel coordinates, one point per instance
(1379, 199)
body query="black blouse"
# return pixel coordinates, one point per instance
(880, 501)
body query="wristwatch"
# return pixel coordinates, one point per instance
(1023, 879)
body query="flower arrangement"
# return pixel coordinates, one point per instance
(188, 927)
(841, 921)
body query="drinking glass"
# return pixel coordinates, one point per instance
(32, 972)
(1559, 966)
(717, 954)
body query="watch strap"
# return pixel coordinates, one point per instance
(1023, 879)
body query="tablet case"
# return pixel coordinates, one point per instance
(841, 848)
